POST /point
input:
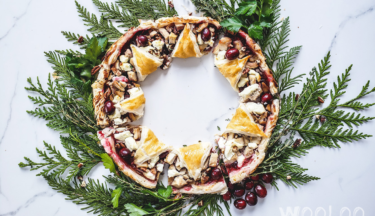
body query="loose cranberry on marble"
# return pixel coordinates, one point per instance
(249, 185)
(142, 40)
(216, 174)
(206, 34)
(125, 154)
(266, 97)
(240, 203)
(227, 196)
(109, 107)
(251, 198)
(255, 178)
(232, 54)
(267, 178)
(261, 191)
(239, 191)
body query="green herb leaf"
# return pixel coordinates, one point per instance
(135, 210)
(115, 196)
(255, 31)
(165, 192)
(218, 128)
(246, 8)
(232, 24)
(108, 162)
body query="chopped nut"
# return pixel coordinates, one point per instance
(95, 69)
(153, 33)
(132, 117)
(297, 143)
(253, 79)
(238, 44)
(235, 149)
(213, 160)
(289, 177)
(164, 32)
(320, 100)
(297, 97)
(265, 87)
(186, 176)
(132, 76)
(80, 165)
(136, 132)
(128, 53)
(201, 27)
(268, 107)
(80, 39)
(179, 182)
(204, 178)
(153, 171)
(322, 119)
(170, 158)
(172, 38)
(179, 26)
(251, 65)
(212, 29)
(248, 152)
(144, 165)
(200, 204)
(224, 43)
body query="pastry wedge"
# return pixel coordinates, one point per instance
(137, 152)
(194, 170)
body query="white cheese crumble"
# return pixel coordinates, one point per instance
(200, 41)
(131, 144)
(147, 48)
(160, 167)
(221, 55)
(117, 99)
(158, 44)
(116, 114)
(240, 160)
(119, 121)
(221, 142)
(134, 92)
(174, 172)
(125, 66)
(149, 175)
(252, 145)
(124, 59)
(256, 108)
(153, 162)
(242, 81)
(228, 153)
(122, 136)
(249, 90)
(210, 42)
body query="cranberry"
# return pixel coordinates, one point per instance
(232, 54)
(267, 178)
(142, 40)
(239, 191)
(230, 186)
(109, 107)
(261, 191)
(251, 198)
(234, 165)
(240, 203)
(125, 154)
(255, 178)
(266, 97)
(249, 185)
(227, 196)
(206, 34)
(216, 174)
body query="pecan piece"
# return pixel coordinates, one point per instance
(95, 69)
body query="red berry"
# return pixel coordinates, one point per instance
(249, 185)
(234, 165)
(142, 40)
(230, 186)
(239, 191)
(216, 174)
(109, 107)
(261, 191)
(232, 54)
(227, 196)
(125, 154)
(255, 178)
(240, 203)
(251, 198)
(266, 97)
(267, 178)
(206, 34)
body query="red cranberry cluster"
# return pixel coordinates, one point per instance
(255, 190)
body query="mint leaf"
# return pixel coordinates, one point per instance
(255, 31)
(246, 8)
(232, 24)
(165, 192)
(134, 210)
(108, 162)
(115, 196)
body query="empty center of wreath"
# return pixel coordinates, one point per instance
(187, 102)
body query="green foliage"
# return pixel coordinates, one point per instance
(108, 162)
(116, 196)
(217, 9)
(74, 38)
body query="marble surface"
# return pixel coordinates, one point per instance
(187, 102)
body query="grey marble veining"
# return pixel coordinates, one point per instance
(186, 103)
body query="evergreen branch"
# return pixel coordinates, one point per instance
(113, 12)
(218, 10)
(276, 48)
(103, 27)
(270, 33)
(354, 104)
(74, 38)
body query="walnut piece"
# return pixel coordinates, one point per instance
(164, 32)
(132, 76)
(213, 160)
(201, 27)
(172, 38)
(137, 133)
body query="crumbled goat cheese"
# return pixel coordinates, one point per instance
(122, 136)
(242, 81)
(124, 59)
(256, 108)
(131, 144)
(153, 161)
(158, 44)
(249, 90)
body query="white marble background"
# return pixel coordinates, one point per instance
(187, 102)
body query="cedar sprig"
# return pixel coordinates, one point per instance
(216, 9)
(113, 11)
(72, 37)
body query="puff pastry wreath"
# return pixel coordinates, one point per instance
(119, 100)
